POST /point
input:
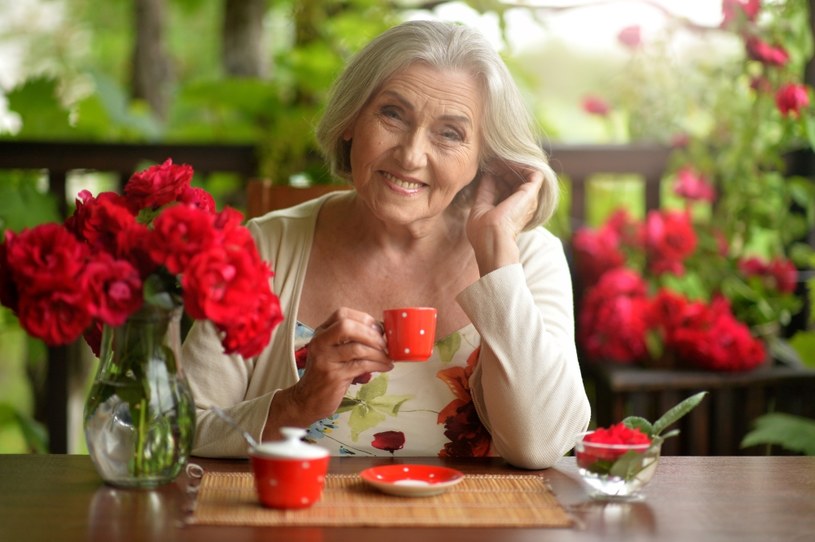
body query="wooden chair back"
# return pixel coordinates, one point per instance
(263, 196)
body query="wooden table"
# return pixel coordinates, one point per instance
(61, 498)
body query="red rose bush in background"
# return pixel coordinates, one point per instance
(161, 243)
(716, 278)
(667, 292)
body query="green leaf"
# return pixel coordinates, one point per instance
(39, 107)
(373, 389)
(449, 346)
(793, 433)
(628, 465)
(669, 434)
(782, 351)
(347, 404)
(804, 344)
(636, 422)
(363, 418)
(388, 404)
(678, 411)
(34, 433)
(22, 204)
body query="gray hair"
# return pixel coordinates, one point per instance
(509, 133)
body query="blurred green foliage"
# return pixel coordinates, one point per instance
(793, 433)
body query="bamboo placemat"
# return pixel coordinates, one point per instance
(478, 501)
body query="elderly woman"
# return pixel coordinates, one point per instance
(450, 188)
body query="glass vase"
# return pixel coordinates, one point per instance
(139, 415)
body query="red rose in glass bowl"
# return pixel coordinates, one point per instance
(603, 446)
(616, 462)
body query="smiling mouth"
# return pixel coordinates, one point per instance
(401, 183)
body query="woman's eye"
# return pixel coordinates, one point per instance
(451, 134)
(390, 112)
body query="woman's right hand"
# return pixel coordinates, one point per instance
(347, 345)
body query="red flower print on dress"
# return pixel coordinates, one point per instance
(468, 436)
(390, 441)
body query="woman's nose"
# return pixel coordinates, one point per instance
(411, 151)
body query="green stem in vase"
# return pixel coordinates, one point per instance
(139, 450)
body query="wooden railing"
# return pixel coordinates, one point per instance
(713, 428)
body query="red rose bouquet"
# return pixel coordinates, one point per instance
(161, 243)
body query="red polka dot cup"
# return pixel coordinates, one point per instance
(410, 332)
(289, 473)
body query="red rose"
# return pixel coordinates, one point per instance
(630, 36)
(114, 289)
(179, 234)
(231, 288)
(158, 185)
(99, 221)
(757, 49)
(219, 284)
(615, 330)
(249, 335)
(232, 235)
(669, 239)
(613, 318)
(596, 252)
(135, 243)
(734, 9)
(198, 198)
(596, 106)
(607, 444)
(693, 186)
(779, 274)
(785, 275)
(44, 258)
(617, 434)
(791, 99)
(57, 317)
(710, 337)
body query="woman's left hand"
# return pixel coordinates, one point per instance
(506, 199)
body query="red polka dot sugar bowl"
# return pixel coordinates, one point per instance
(289, 473)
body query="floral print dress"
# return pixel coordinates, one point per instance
(417, 409)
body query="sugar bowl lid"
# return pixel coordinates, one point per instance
(290, 447)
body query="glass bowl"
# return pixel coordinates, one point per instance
(616, 471)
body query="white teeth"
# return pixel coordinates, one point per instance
(403, 184)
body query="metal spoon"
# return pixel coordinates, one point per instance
(234, 425)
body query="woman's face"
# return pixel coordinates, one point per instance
(416, 143)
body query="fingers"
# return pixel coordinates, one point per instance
(502, 181)
(348, 345)
(352, 339)
(346, 326)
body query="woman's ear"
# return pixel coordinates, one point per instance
(346, 135)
